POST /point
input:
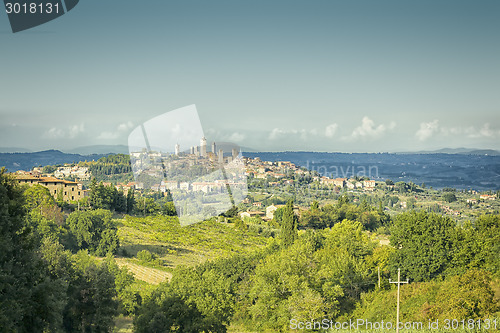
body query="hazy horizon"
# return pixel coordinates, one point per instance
(77, 150)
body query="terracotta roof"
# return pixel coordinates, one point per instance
(25, 177)
(254, 213)
(56, 180)
(50, 180)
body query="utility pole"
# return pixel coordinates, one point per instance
(399, 282)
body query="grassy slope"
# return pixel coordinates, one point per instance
(175, 245)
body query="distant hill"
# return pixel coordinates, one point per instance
(98, 149)
(26, 161)
(465, 170)
(463, 151)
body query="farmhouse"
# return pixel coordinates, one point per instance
(70, 191)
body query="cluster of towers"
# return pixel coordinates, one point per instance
(201, 151)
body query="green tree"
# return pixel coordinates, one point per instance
(207, 290)
(169, 314)
(488, 230)
(423, 243)
(94, 230)
(283, 287)
(120, 201)
(31, 300)
(343, 200)
(467, 296)
(449, 197)
(44, 217)
(91, 303)
(289, 225)
(349, 236)
(49, 169)
(130, 201)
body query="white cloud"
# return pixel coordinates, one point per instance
(75, 130)
(236, 137)
(427, 130)
(486, 131)
(54, 133)
(368, 129)
(125, 126)
(71, 133)
(276, 133)
(219, 136)
(109, 135)
(330, 130)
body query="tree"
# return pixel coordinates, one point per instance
(95, 199)
(31, 300)
(94, 230)
(289, 225)
(349, 236)
(467, 296)
(44, 217)
(343, 200)
(312, 219)
(411, 203)
(278, 215)
(283, 287)
(449, 197)
(37, 196)
(49, 169)
(91, 303)
(130, 201)
(120, 201)
(488, 230)
(207, 290)
(168, 314)
(423, 243)
(169, 209)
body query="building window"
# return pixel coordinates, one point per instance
(65, 193)
(55, 191)
(72, 198)
(78, 192)
(73, 189)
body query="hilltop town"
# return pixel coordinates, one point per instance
(269, 183)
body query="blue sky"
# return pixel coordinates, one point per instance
(353, 76)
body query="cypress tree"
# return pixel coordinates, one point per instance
(289, 225)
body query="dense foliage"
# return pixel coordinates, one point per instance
(323, 262)
(111, 165)
(328, 215)
(94, 230)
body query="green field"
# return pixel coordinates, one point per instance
(176, 245)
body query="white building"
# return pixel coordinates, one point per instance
(203, 147)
